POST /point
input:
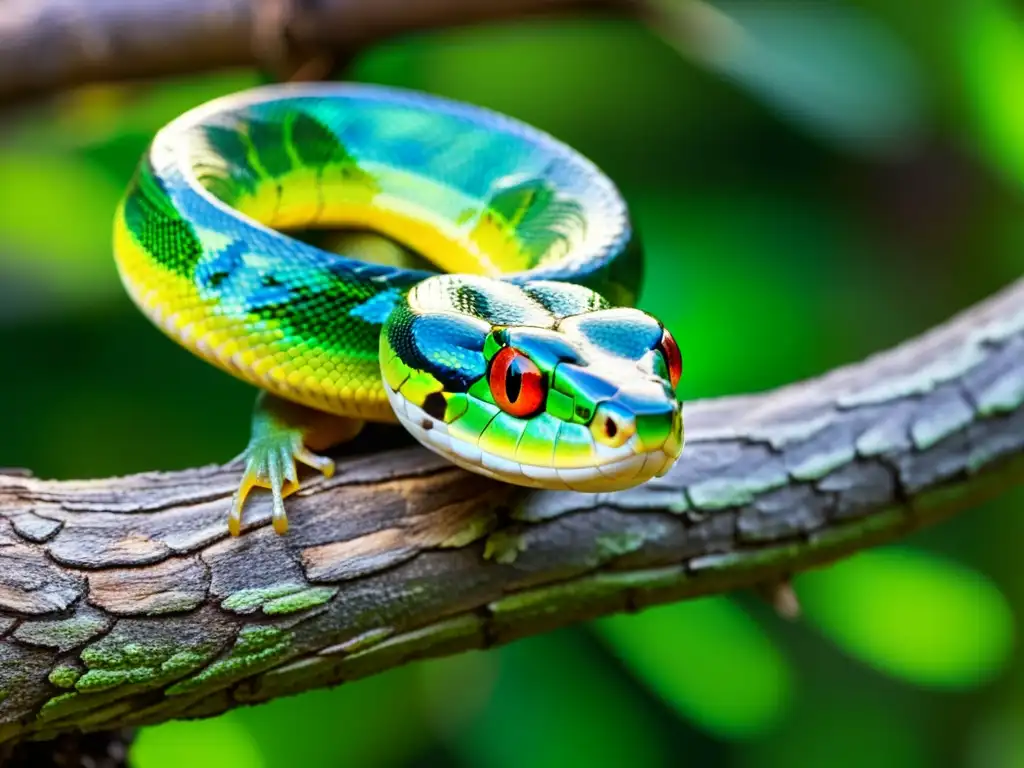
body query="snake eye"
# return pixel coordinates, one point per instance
(673, 359)
(516, 383)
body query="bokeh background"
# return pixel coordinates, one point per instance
(813, 184)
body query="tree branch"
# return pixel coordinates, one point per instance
(124, 602)
(105, 40)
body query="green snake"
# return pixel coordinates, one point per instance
(521, 358)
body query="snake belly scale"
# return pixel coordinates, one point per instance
(520, 357)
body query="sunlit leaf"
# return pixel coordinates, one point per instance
(56, 224)
(214, 743)
(826, 65)
(990, 38)
(913, 615)
(709, 661)
(553, 704)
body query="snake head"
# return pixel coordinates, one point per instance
(541, 385)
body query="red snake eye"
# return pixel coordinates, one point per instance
(673, 360)
(516, 383)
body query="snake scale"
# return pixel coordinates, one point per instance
(520, 356)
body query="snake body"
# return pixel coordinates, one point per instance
(520, 358)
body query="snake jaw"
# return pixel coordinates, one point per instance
(609, 469)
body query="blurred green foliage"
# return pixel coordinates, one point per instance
(812, 184)
(956, 627)
(745, 685)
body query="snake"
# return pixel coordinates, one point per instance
(509, 342)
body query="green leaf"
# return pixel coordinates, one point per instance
(370, 722)
(829, 67)
(213, 743)
(709, 661)
(545, 702)
(913, 615)
(990, 42)
(56, 226)
(737, 276)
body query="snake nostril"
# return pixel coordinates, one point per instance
(612, 425)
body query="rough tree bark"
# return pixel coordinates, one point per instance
(123, 601)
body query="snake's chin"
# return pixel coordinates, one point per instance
(619, 468)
